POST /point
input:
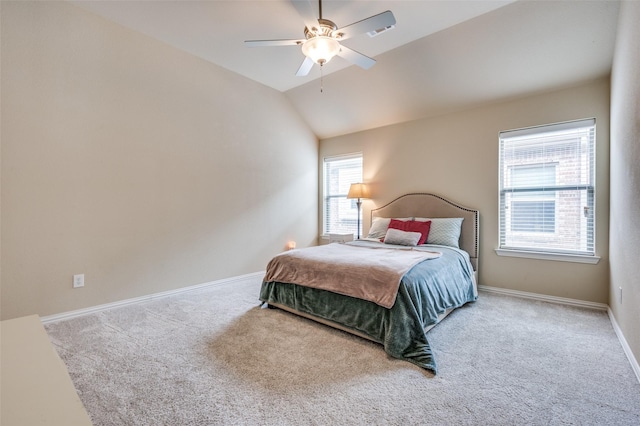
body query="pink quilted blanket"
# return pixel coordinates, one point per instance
(366, 272)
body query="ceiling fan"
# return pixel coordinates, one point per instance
(323, 37)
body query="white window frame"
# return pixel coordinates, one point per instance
(514, 243)
(327, 195)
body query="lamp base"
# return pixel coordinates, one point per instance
(359, 204)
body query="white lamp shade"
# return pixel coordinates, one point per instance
(358, 190)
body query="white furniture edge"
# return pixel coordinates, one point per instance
(98, 308)
(574, 302)
(36, 386)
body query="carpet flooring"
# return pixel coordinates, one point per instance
(213, 357)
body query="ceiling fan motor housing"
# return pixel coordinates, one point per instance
(326, 29)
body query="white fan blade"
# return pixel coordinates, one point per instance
(305, 67)
(356, 58)
(261, 43)
(307, 11)
(373, 23)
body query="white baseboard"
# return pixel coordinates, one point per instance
(259, 275)
(545, 298)
(625, 346)
(94, 309)
(574, 302)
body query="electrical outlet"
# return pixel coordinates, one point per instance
(78, 280)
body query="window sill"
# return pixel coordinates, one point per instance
(561, 257)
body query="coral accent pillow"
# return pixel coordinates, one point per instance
(412, 226)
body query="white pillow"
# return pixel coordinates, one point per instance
(403, 238)
(444, 231)
(380, 225)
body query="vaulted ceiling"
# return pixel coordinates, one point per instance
(442, 55)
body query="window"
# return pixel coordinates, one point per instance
(547, 189)
(341, 214)
(533, 211)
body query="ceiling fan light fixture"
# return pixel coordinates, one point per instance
(322, 38)
(321, 49)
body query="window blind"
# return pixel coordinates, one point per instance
(341, 214)
(547, 188)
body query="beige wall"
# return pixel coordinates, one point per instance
(625, 176)
(456, 155)
(141, 166)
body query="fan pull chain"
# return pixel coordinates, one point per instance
(321, 80)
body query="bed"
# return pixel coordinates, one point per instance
(338, 284)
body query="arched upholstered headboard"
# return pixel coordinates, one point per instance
(433, 206)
